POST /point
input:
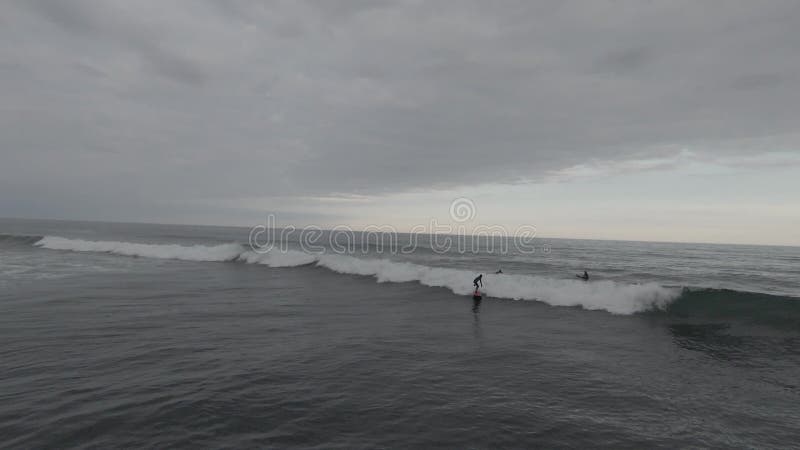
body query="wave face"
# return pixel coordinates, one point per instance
(12, 240)
(724, 304)
(613, 297)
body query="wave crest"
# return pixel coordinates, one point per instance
(611, 296)
(223, 252)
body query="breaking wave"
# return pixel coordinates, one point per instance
(224, 252)
(611, 296)
(12, 240)
(704, 304)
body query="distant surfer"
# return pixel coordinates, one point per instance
(478, 281)
(499, 271)
(584, 277)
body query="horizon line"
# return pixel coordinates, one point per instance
(360, 231)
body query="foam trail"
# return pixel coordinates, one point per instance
(277, 258)
(607, 295)
(224, 252)
(220, 253)
(613, 297)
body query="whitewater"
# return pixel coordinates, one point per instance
(611, 296)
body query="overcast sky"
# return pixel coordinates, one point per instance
(666, 120)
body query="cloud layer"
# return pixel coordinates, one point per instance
(113, 106)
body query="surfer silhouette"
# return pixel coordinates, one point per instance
(499, 271)
(584, 277)
(478, 280)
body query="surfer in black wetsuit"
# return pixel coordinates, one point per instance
(499, 271)
(584, 277)
(478, 280)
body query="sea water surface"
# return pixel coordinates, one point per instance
(127, 335)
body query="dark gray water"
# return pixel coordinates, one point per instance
(101, 350)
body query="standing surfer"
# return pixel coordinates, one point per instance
(478, 280)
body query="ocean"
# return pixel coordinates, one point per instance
(165, 336)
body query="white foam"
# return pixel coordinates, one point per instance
(224, 252)
(276, 258)
(613, 297)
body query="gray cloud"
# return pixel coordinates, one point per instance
(623, 61)
(119, 103)
(105, 23)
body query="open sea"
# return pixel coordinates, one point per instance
(161, 336)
